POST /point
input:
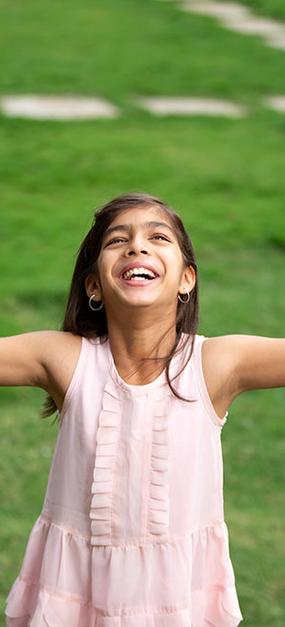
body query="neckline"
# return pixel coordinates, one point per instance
(146, 387)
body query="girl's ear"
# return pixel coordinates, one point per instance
(92, 286)
(188, 280)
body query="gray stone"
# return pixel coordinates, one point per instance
(161, 105)
(241, 19)
(277, 103)
(57, 107)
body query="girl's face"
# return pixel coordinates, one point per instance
(142, 236)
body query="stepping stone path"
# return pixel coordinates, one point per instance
(57, 107)
(241, 19)
(61, 108)
(192, 106)
(230, 15)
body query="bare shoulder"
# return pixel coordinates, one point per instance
(219, 364)
(59, 361)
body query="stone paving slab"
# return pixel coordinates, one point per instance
(277, 103)
(221, 10)
(57, 107)
(240, 18)
(191, 106)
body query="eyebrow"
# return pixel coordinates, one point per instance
(127, 227)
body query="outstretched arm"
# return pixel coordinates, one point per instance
(234, 364)
(21, 359)
(43, 359)
(259, 361)
(29, 358)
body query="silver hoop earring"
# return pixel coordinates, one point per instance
(182, 299)
(95, 308)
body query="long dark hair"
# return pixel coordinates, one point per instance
(79, 319)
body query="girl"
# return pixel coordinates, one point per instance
(132, 530)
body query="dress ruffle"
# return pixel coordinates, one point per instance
(102, 510)
(159, 485)
(102, 486)
(64, 582)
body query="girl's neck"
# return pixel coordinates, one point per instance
(130, 346)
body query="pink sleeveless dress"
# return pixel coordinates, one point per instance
(132, 530)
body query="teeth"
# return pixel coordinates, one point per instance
(138, 271)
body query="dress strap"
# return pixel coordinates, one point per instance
(76, 377)
(197, 355)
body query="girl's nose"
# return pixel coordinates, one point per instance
(135, 251)
(135, 247)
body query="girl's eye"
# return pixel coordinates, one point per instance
(115, 240)
(163, 237)
(120, 239)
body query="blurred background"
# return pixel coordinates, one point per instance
(225, 177)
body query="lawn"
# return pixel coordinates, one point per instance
(226, 179)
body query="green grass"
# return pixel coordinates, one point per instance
(225, 177)
(121, 49)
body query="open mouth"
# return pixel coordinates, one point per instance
(139, 280)
(139, 276)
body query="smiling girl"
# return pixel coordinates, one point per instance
(132, 530)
